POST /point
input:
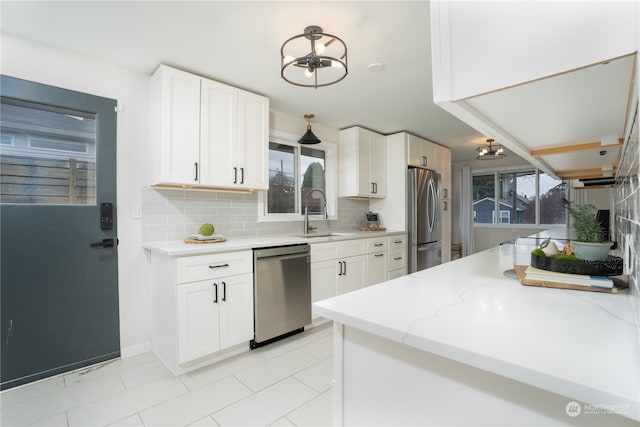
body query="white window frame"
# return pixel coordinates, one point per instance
(331, 181)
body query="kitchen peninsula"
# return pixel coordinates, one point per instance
(463, 344)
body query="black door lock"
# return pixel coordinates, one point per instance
(106, 216)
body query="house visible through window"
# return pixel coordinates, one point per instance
(293, 173)
(520, 197)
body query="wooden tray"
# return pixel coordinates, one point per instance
(520, 271)
(372, 228)
(218, 240)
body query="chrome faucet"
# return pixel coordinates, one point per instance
(307, 228)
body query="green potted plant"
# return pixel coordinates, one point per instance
(588, 242)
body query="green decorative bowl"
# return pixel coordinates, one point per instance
(612, 266)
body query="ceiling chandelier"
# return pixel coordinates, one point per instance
(490, 152)
(313, 59)
(309, 138)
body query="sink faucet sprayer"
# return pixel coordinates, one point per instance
(307, 228)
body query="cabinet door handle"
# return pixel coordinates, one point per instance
(378, 255)
(340, 266)
(235, 175)
(225, 265)
(445, 205)
(196, 166)
(215, 289)
(224, 291)
(241, 175)
(345, 268)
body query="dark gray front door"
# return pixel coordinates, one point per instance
(58, 248)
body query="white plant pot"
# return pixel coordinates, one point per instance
(591, 251)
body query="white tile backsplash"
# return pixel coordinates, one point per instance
(175, 214)
(626, 200)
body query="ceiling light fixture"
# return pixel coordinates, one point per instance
(309, 138)
(313, 59)
(490, 152)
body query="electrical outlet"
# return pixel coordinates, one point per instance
(136, 211)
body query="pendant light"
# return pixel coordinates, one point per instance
(309, 138)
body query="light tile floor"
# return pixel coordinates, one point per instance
(287, 383)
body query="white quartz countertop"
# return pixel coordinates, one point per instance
(179, 248)
(578, 344)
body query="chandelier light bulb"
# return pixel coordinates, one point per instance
(308, 73)
(287, 59)
(336, 64)
(320, 48)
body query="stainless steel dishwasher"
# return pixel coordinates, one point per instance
(282, 292)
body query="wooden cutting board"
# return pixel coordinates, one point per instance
(218, 240)
(520, 271)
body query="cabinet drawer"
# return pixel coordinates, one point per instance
(324, 251)
(377, 244)
(335, 250)
(203, 267)
(397, 242)
(397, 259)
(353, 247)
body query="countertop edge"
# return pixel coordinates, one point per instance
(178, 248)
(503, 368)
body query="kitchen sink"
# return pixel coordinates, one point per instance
(312, 235)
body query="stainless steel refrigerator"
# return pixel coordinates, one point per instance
(424, 219)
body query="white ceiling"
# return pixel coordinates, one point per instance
(238, 43)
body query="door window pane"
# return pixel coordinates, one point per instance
(517, 192)
(47, 154)
(552, 193)
(282, 187)
(312, 177)
(484, 199)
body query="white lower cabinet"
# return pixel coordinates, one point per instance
(214, 315)
(376, 268)
(202, 308)
(397, 261)
(349, 265)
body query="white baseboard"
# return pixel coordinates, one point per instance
(134, 350)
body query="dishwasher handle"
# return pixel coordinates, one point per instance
(283, 257)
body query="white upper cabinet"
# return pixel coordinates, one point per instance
(422, 153)
(175, 126)
(362, 163)
(209, 134)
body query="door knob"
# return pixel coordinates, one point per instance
(106, 243)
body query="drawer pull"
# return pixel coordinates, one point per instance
(225, 265)
(398, 241)
(378, 255)
(378, 244)
(397, 258)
